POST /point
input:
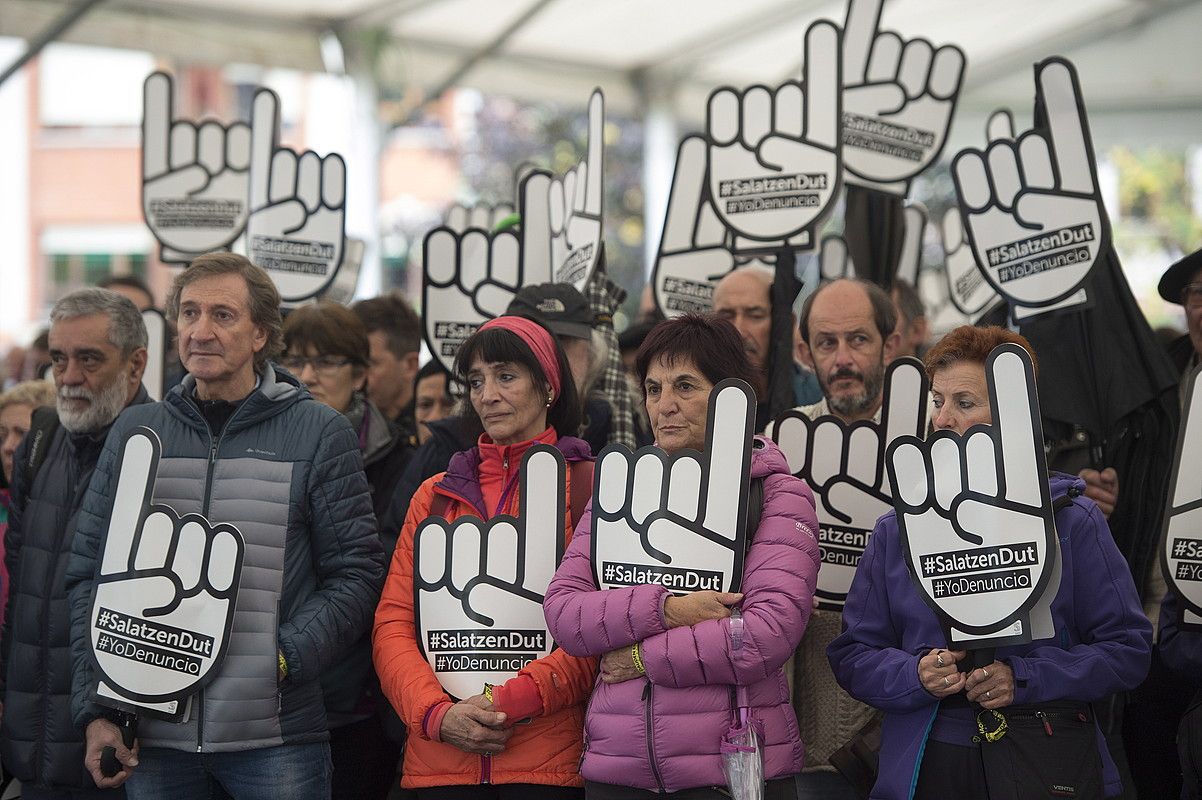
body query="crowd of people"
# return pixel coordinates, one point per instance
(321, 436)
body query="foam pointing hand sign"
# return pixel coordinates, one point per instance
(975, 513)
(845, 466)
(479, 585)
(1031, 207)
(679, 521)
(1182, 553)
(898, 100)
(575, 206)
(297, 224)
(774, 164)
(470, 275)
(166, 590)
(195, 178)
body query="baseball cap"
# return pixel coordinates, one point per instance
(558, 306)
(1176, 277)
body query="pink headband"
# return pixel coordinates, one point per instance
(537, 339)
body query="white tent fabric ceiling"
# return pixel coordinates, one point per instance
(1138, 59)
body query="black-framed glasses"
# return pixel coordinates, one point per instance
(322, 365)
(1191, 295)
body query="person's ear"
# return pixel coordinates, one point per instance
(806, 355)
(922, 330)
(359, 377)
(891, 345)
(137, 366)
(412, 362)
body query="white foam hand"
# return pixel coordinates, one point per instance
(679, 521)
(166, 591)
(1182, 548)
(845, 467)
(297, 222)
(774, 163)
(967, 287)
(195, 177)
(575, 206)
(471, 275)
(975, 511)
(1031, 206)
(898, 100)
(479, 585)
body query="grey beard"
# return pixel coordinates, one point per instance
(858, 404)
(106, 404)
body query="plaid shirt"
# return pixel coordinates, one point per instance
(604, 297)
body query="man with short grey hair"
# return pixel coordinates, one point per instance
(243, 444)
(98, 354)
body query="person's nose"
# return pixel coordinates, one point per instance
(944, 419)
(11, 441)
(201, 329)
(308, 374)
(72, 374)
(488, 390)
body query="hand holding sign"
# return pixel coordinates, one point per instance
(164, 598)
(975, 511)
(1182, 548)
(195, 178)
(574, 204)
(470, 276)
(1032, 207)
(479, 585)
(774, 154)
(845, 466)
(298, 208)
(898, 100)
(678, 521)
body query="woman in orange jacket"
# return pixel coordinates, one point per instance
(521, 389)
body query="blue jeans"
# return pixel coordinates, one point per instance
(821, 785)
(289, 772)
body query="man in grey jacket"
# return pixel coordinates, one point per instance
(98, 354)
(245, 444)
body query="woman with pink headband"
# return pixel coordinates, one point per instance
(521, 390)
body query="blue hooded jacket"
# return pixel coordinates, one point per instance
(1102, 645)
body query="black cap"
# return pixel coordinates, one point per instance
(1178, 276)
(558, 306)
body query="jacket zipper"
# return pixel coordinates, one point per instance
(204, 511)
(648, 698)
(485, 768)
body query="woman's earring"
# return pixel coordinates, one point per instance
(550, 398)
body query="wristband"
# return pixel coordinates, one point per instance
(637, 658)
(487, 692)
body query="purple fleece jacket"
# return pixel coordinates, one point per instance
(662, 732)
(1103, 640)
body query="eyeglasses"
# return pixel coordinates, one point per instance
(1191, 296)
(322, 365)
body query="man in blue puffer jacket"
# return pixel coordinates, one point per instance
(245, 444)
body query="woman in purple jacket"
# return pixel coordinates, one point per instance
(891, 653)
(655, 721)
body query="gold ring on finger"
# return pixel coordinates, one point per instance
(988, 694)
(947, 681)
(939, 659)
(985, 671)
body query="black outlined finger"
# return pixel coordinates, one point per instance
(792, 435)
(612, 480)
(728, 452)
(1072, 148)
(788, 114)
(1003, 169)
(154, 545)
(910, 260)
(466, 552)
(1017, 426)
(724, 117)
(474, 252)
(226, 552)
(190, 550)
(981, 463)
(308, 181)
(999, 126)
(688, 184)
(505, 263)
(859, 38)
(953, 230)
(535, 199)
(757, 115)
(333, 181)
(264, 132)
(210, 147)
(542, 514)
(684, 484)
(972, 180)
(283, 176)
(904, 407)
(1038, 172)
(947, 468)
(156, 124)
(947, 71)
(439, 252)
(135, 486)
(886, 58)
(909, 473)
(237, 147)
(823, 85)
(595, 158)
(183, 145)
(501, 551)
(915, 67)
(433, 555)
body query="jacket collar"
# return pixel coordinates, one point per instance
(276, 391)
(462, 476)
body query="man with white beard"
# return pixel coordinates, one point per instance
(98, 355)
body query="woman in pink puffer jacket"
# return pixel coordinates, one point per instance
(658, 729)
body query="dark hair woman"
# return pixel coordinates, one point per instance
(670, 666)
(520, 390)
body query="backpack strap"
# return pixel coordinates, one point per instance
(42, 427)
(582, 489)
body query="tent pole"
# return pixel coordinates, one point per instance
(56, 29)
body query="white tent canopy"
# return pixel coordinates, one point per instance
(1138, 59)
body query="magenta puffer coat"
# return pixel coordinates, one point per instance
(662, 732)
